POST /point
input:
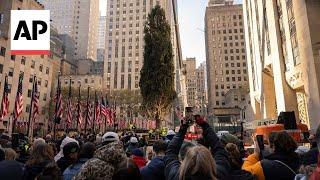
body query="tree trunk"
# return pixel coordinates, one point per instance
(158, 121)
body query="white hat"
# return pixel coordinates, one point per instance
(133, 140)
(171, 132)
(110, 137)
(65, 141)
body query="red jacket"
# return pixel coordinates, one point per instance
(140, 161)
(316, 173)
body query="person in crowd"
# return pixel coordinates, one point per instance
(198, 163)
(155, 169)
(86, 153)
(133, 144)
(170, 135)
(104, 164)
(5, 141)
(316, 173)
(283, 163)
(2, 154)
(70, 155)
(143, 142)
(186, 145)
(109, 137)
(127, 170)
(11, 170)
(10, 154)
(38, 141)
(50, 172)
(41, 156)
(236, 163)
(311, 157)
(138, 157)
(65, 141)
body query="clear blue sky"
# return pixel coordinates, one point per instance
(191, 21)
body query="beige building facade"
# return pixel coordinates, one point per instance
(282, 45)
(79, 19)
(225, 50)
(94, 82)
(30, 66)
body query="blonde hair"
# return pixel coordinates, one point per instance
(10, 154)
(198, 162)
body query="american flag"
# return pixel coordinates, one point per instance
(58, 99)
(90, 113)
(69, 107)
(5, 100)
(104, 108)
(18, 108)
(35, 100)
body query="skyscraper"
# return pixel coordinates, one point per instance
(101, 38)
(282, 42)
(125, 42)
(79, 19)
(225, 51)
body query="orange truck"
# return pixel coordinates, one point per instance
(300, 134)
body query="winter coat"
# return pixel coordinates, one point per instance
(154, 170)
(140, 161)
(273, 166)
(72, 170)
(63, 163)
(310, 157)
(316, 173)
(31, 172)
(171, 160)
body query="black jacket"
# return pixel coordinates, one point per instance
(154, 170)
(31, 172)
(310, 157)
(171, 160)
(273, 169)
(63, 163)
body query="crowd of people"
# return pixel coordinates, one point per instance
(129, 157)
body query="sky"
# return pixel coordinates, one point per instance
(191, 23)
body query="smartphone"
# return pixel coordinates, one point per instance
(189, 115)
(260, 142)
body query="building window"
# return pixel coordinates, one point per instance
(13, 57)
(3, 51)
(33, 64)
(46, 83)
(217, 103)
(23, 60)
(11, 70)
(27, 108)
(1, 68)
(31, 78)
(1, 18)
(40, 67)
(47, 70)
(44, 96)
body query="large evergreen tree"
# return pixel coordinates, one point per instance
(157, 74)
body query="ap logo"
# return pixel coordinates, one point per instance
(30, 32)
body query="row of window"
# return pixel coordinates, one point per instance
(224, 18)
(224, 25)
(125, 4)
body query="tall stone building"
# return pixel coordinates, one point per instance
(225, 51)
(191, 80)
(125, 44)
(40, 66)
(196, 86)
(79, 19)
(202, 93)
(282, 42)
(101, 39)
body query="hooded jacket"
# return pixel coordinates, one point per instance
(171, 160)
(154, 170)
(274, 166)
(103, 164)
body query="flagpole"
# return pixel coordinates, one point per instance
(69, 107)
(87, 113)
(79, 100)
(56, 110)
(30, 111)
(94, 111)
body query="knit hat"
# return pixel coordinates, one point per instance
(133, 140)
(110, 137)
(103, 165)
(64, 142)
(71, 147)
(229, 138)
(137, 152)
(171, 133)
